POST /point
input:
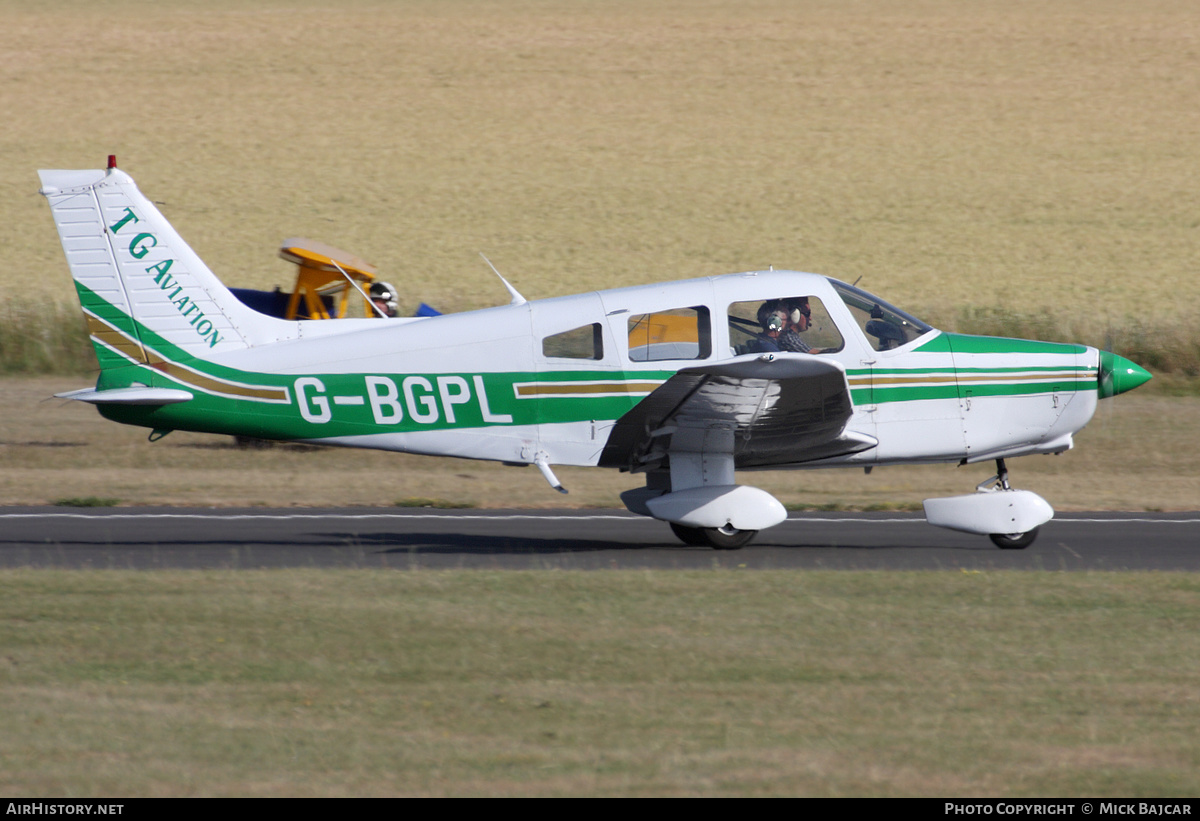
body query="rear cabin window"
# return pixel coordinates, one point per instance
(586, 342)
(799, 324)
(681, 333)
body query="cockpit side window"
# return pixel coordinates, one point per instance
(681, 333)
(885, 326)
(586, 342)
(799, 324)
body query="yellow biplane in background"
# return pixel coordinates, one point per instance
(330, 284)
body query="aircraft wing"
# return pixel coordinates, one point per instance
(780, 408)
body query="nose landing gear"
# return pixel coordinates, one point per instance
(1009, 517)
(1006, 541)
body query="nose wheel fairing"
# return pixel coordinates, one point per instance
(1008, 513)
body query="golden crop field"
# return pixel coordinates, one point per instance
(953, 155)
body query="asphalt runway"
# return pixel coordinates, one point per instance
(160, 538)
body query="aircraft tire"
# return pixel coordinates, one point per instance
(727, 538)
(1014, 541)
(693, 536)
(718, 539)
(714, 537)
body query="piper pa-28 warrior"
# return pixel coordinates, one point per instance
(685, 382)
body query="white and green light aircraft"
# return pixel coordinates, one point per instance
(685, 382)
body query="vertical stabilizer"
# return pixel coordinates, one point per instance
(138, 281)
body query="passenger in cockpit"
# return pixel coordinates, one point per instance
(782, 322)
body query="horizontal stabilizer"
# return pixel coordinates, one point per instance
(128, 396)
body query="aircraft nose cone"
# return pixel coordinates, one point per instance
(1118, 375)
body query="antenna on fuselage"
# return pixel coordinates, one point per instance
(517, 299)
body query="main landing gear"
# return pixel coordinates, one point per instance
(720, 516)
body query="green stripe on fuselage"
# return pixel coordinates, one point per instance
(964, 343)
(904, 393)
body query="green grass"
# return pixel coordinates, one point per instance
(86, 501)
(572, 683)
(44, 338)
(439, 504)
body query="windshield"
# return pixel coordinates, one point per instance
(884, 325)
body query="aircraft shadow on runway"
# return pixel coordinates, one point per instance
(474, 543)
(459, 543)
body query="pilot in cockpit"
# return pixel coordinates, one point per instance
(383, 296)
(782, 322)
